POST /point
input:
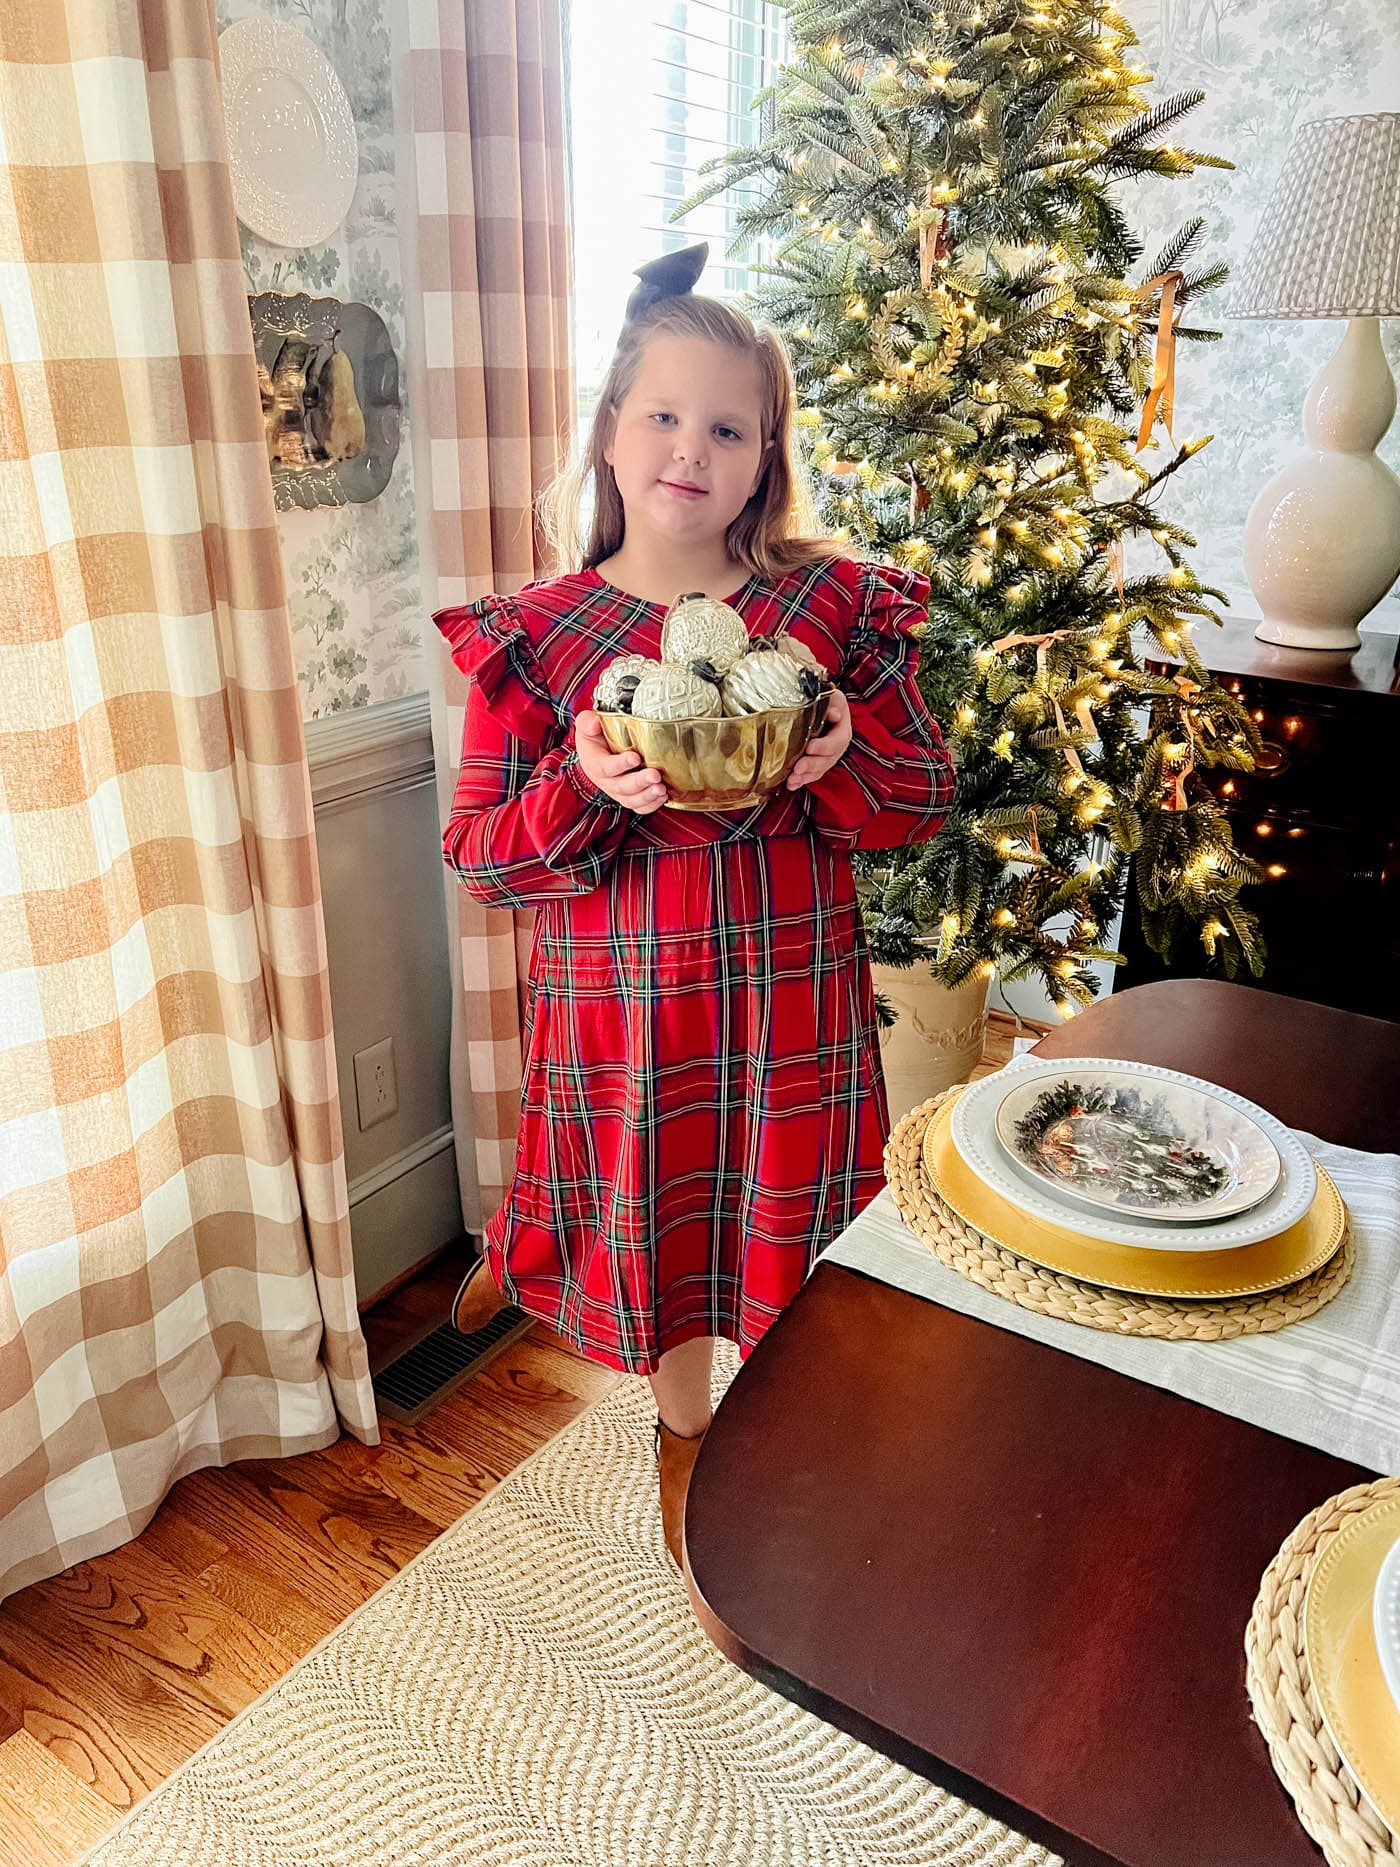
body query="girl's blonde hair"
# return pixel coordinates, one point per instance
(776, 531)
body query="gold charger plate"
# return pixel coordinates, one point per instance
(1339, 1644)
(1244, 1270)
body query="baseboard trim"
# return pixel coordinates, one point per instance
(407, 1160)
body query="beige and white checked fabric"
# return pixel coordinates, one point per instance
(176, 1285)
(485, 85)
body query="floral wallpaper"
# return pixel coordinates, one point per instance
(352, 571)
(1265, 66)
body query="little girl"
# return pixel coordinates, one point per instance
(703, 1108)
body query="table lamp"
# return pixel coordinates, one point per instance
(1322, 540)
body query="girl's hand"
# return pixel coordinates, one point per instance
(617, 773)
(822, 752)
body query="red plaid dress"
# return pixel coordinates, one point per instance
(703, 1108)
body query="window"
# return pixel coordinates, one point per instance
(656, 87)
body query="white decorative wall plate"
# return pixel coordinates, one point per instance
(293, 152)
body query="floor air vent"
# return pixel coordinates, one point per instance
(424, 1376)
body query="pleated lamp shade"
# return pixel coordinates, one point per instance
(1329, 243)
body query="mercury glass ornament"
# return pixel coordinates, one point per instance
(666, 692)
(618, 681)
(699, 626)
(766, 679)
(799, 652)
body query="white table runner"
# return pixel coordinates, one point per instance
(1332, 1381)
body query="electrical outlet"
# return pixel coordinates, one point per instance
(376, 1085)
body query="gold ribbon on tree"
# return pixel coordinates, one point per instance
(1185, 687)
(1082, 710)
(1030, 641)
(1115, 564)
(930, 239)
(1161, 397)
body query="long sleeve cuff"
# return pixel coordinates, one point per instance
(557, 836)
(584, 787)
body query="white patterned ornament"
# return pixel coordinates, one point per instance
(667, 692)
(700, 628)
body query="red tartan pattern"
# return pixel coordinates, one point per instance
(703, 1108)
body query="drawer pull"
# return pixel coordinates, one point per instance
(1271, 759)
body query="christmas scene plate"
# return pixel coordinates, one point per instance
(1339, 1643)
(1150, 1149)
(1271, 1264)
(974, 1133)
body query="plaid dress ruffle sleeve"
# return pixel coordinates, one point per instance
(526, 821)
(702, 1108)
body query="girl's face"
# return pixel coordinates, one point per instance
(687, 447)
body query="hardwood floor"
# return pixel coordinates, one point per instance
(114, 1672)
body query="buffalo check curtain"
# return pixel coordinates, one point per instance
(176, 1285)
(485, 85)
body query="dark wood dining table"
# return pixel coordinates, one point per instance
(1023, 1575)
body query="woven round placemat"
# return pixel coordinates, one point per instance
(1329, 1803)
(1051, 1293)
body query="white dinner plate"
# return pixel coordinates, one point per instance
(975, 1136)
(1386, 1616)
(1161, 1150)
(292, 149)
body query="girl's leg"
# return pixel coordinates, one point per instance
(681, 1385)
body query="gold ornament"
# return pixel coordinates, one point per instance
(767, 678)
(935, 307)
(799, 652)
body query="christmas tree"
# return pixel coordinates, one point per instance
(985, 370)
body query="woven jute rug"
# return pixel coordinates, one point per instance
(533, 1691)
(1052, 1293)
(1330, 1805)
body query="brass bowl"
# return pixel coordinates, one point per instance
(720, 764)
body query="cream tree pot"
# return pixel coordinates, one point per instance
(937, 1039)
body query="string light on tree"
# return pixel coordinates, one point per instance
(984, 405)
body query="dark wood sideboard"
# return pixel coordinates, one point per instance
(1321, 813)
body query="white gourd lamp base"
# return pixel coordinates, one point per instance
(1322, 540)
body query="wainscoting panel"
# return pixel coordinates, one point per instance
(386, 930)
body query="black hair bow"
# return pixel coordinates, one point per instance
(667, 277)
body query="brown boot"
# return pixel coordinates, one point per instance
(478, 1301)
(676, 1456)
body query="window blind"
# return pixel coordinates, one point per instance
(655, 88)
